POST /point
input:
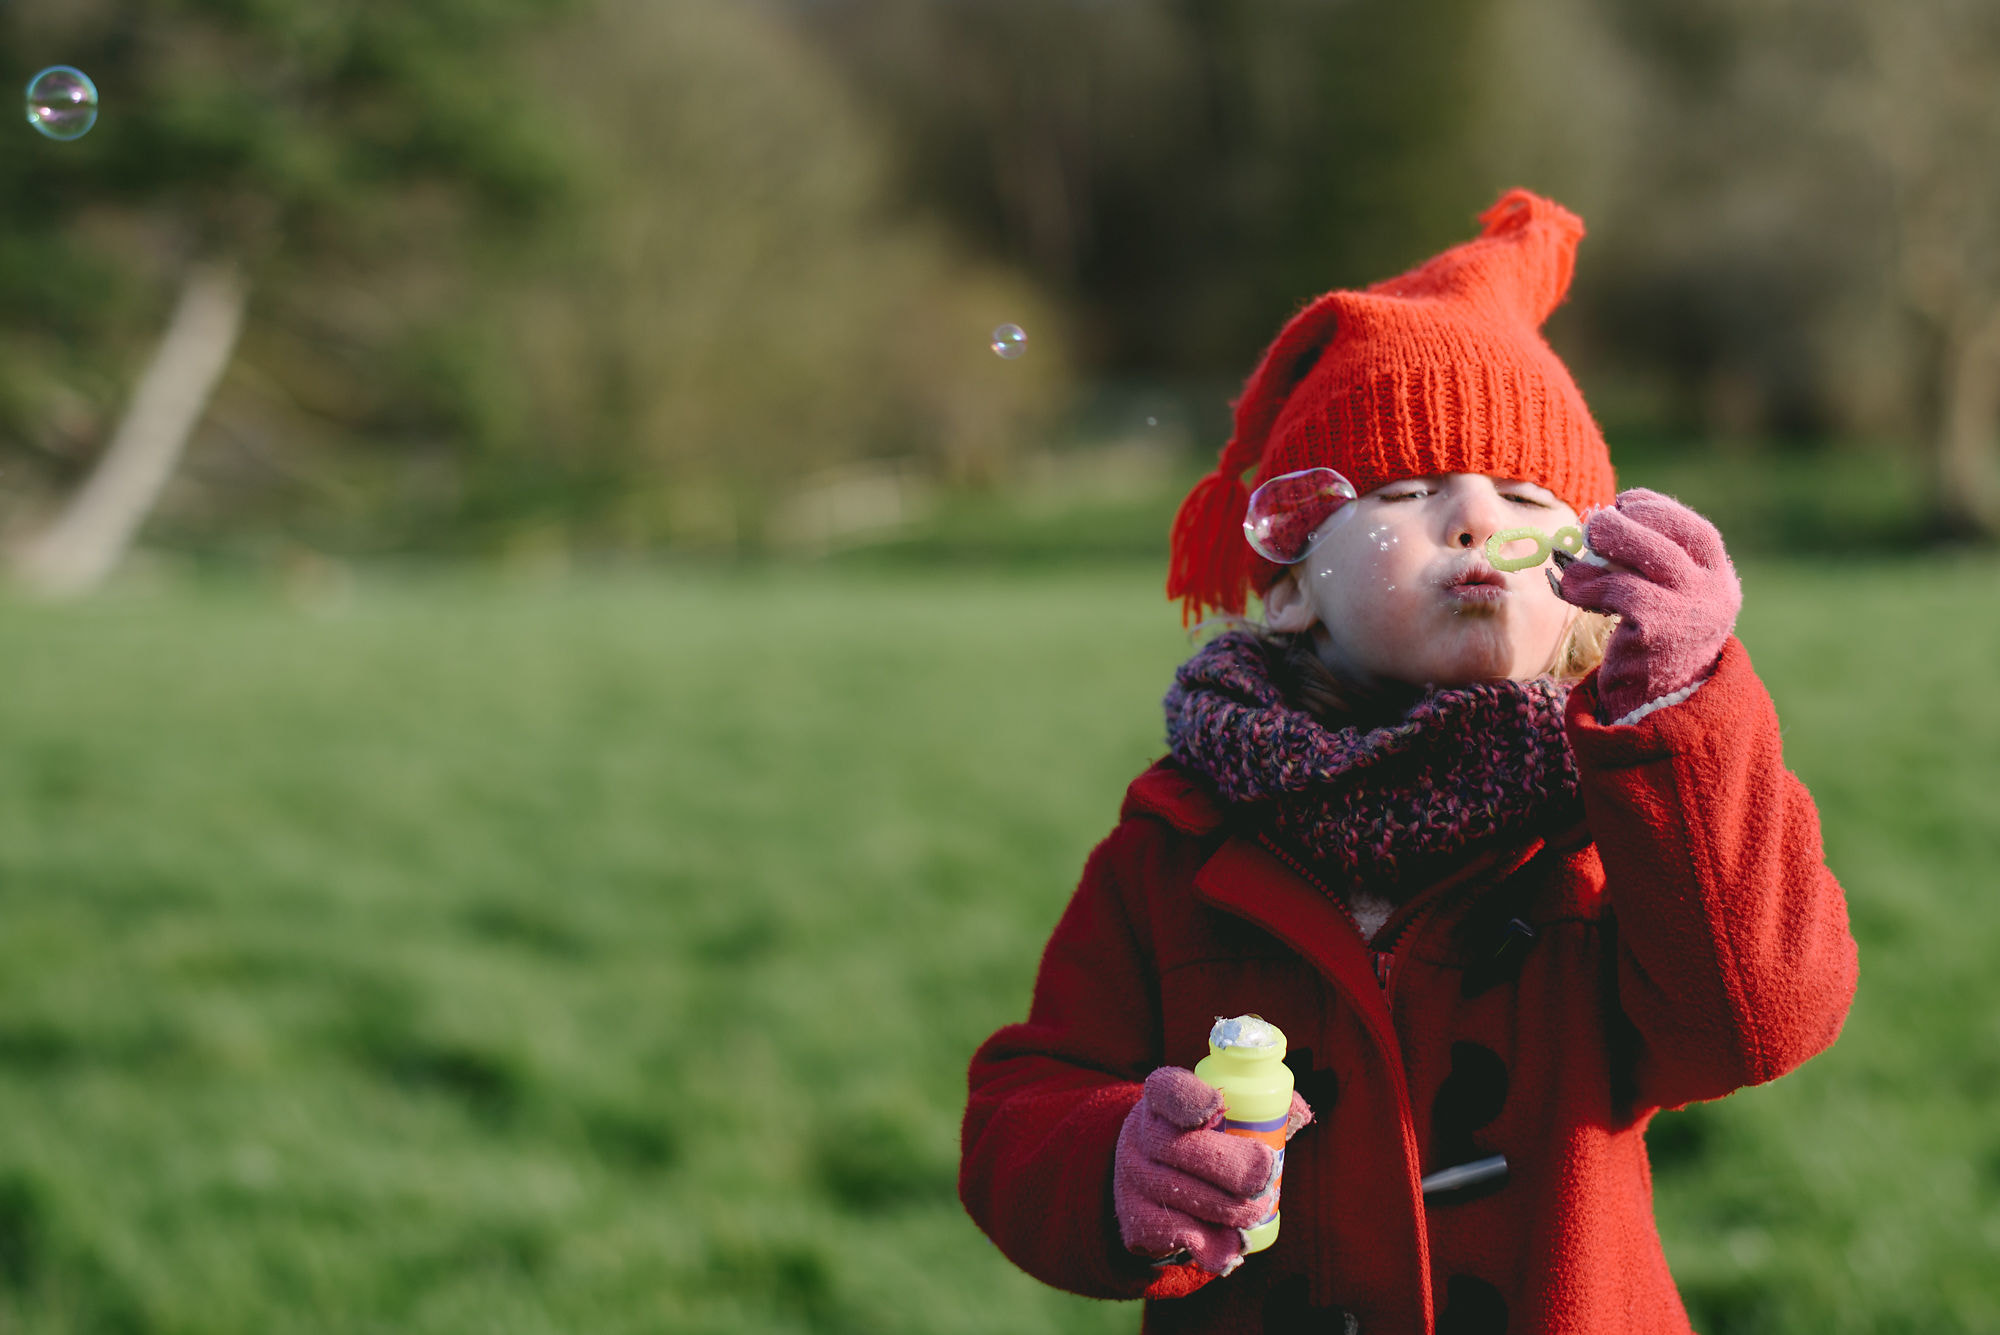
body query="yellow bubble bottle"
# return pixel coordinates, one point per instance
(1246, 1061)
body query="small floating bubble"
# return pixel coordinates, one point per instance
(62, 102)
(1009, 341)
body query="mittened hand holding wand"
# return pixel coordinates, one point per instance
(1668, 579)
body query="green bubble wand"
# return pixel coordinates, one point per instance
(1565, 545)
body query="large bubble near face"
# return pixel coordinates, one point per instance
(1289, 514)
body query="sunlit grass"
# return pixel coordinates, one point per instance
(605, 956)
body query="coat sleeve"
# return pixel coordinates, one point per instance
(1048, 1097)
(1735, 963)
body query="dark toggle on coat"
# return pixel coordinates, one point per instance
(1541, 1003)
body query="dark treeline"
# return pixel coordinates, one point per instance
(1185, 173)
(1794, 218)
(615, 273)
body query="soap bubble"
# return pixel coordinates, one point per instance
(1287, 513)
(1009, 341)
(62, 102)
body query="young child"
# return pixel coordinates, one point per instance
(1502, 898)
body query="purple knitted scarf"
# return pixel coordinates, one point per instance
(1382, 808)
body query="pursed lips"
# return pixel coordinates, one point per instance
(1474, 583)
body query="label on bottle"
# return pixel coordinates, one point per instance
(1272, 1133)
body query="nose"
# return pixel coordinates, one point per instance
(1477, 516)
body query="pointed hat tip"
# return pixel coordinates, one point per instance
(1516, 210)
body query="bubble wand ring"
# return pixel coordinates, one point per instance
(1568, 540)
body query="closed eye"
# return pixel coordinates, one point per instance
(1535, 501)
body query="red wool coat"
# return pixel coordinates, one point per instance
(1542, 1003)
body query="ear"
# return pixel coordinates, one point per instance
(1286, 607)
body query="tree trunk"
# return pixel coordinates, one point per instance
(87, 540)
(1966, 467)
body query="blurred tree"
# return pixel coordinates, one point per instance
(1794, 207)
(515, 271)
(242, 145)
(1187, 171)
(75, 553)
(1914, 92)
(743, 307)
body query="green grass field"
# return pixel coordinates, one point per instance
(605, 956)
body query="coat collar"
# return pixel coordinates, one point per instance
(1246, 878)
(1250, 880)
(1171, 794)
(1257, 882)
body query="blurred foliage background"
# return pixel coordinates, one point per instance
(618, 678)
(606, 276)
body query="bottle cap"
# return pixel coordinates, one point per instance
(1250, 1032)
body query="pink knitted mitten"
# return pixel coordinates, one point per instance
(1184, 1190)
(1672, 586)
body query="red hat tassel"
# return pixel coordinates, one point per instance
(1210, 561)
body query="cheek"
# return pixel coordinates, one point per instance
(1363, 562)
(1548, 620)
(1363, 584)
(1383, 547)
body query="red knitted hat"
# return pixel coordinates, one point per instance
(1441, 370)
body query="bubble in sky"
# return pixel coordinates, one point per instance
(1010, 341)
(62, 102)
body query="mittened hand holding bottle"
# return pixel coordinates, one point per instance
(1184, 1188)
(1670, 582)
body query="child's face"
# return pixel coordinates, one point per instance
(1400, 587)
